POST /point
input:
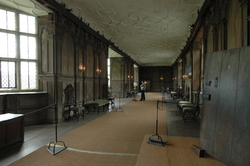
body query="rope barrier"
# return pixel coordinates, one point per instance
(32, 112)
(39, 109)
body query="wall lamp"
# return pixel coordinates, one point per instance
(98, 71)
(130, 77)
(81, 67)
(187, 76)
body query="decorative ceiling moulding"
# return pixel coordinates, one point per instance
(55, 6)
(163, 47)
(28, 6)
(195, 28)
(40, 6)
(145, 23)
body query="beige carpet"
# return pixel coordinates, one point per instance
(176, 153)
(115, 139)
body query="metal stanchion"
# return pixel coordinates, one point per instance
(53, 148)
(119, 109)
(159, 141)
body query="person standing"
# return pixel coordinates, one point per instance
(143, 88)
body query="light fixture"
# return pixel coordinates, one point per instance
(161, 78)
(187, 76)
(81, 67)
(128, 76)
(98, 71)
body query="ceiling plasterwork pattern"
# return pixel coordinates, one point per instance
(152, 32)
(28, 6)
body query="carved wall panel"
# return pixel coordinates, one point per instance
(221, 38)
(117, 77)
(157, 77)
(90, 90)
(79, 61)
(96, 65)
(67, 55)
(103, 64)
(234, 35)
(25, 103)
(196, 73)
(245, 29)
(79, 91)
(180, 74)
(89, 62)
(210, 40)
(46, 44)
(116, 69)
(97, 89)
(103, 89)
(129, 79)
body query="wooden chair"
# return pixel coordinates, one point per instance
(175, 94)
(190, 111)
(70, 110)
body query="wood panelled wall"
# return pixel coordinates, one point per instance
(122, 76)
(25, 103)
(221, 25)
(153, 75)
(65, 44)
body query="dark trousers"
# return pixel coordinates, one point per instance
(142, 95)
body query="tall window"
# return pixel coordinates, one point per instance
(18, 50)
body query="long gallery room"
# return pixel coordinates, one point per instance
(124, 82)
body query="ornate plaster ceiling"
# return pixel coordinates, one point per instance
(28, 6)
(152, 32)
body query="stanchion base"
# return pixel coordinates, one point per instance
(158, 141)
(119, 109)
(56, 149)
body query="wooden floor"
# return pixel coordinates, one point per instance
(39, 135)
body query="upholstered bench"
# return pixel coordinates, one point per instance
(96, 105)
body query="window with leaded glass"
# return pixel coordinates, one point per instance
(18, 55)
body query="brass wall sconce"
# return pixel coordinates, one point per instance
(130, 77)
(187, 76)
(81, 67)
(98, 71)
